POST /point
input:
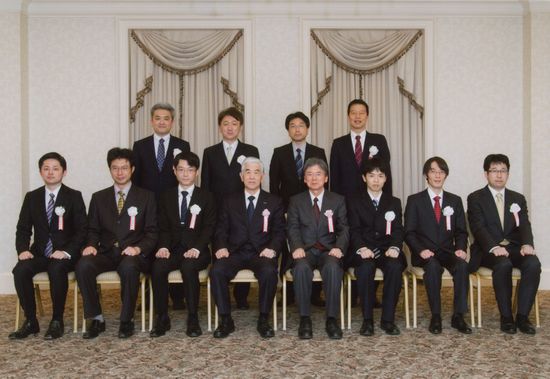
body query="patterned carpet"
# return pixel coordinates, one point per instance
(487, 353)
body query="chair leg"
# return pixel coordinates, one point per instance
(75, 311)
(342, 317)
(407, 316)
(39, 300)
(275, 312)
(414, 299)
(17, 313)
(478, 300)
(284, 302)
(537, 316)
(472, 306)
(209, 304)
(348, 280)
(143, 280)
(215, 316)
(515, 297)
(151, 305)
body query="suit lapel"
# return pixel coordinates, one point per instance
(430, 208)
(489, 202)
(41, 205)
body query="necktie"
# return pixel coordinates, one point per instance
(229, 153)
(375, 203)
(299, 163)
(358, 150)
(250, 208)
(316, 210)
(437, 208)
(49, 212)
(120, 202)
(161, 152)
(500, 208)
(183, 208)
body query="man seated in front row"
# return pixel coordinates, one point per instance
(249, 235)
(318, 236)
(122, 233)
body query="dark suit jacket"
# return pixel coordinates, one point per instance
(179, 238)
(283, 178)
(423, 232)
(146, 174)
(485, 223)
(368, 225)
(108, 231)
(217, 176)
(233, 230)
(33, 216)
(345, 175)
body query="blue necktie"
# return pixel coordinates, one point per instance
(375, 203)
(49, 212)
(250, 208)
(161, 152)
(183, 208)
(299, 164)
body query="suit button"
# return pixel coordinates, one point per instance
(118, 222)
(376, 234)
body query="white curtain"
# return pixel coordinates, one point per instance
(199, 72)
(384, 68)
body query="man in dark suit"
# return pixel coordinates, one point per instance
(503, 239)
(187, 217)
(122, 233)
(376, 240)
(318, 236)
(249, 235)
(435, 231)
(153, 158)
(221, 168)
(57, 215)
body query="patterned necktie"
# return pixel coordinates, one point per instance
(229, 153)
(375, 203)
(500, 208)
(437, 208)
(299, 163)
(49, 212)
(250, 208)
(183, 208)
(316, 210)
(120, 202)
(161, 152)
(358, 150)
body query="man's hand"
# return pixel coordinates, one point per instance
(131, 251)
(268, 253)
(24, 255)
(500, 252)
(162, 253)
(191, 253)
(336, 252)
(461, 254)
(366, 253)
(89, 250)
(299, 253)
(58, 254)
(425, 254)
(392, 253)
(222, 253)
(527, 250)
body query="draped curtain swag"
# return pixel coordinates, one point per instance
(384, 68)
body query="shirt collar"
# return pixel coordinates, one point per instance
(233, 145)
(433, 194)
(373, 197)
(494, 192)
(301, 146)
(55, 191)
(319, 197)
(189, 190)
(256, 194)
(166, 139)
(362, 135)
(125, 190)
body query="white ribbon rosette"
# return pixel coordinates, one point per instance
(59, 211)
(176, 152)
(448, 212)
(241, 159)
(195, 210)
(329, 214)
(389, 216)
(373, 150)
(266, 214)
(514, 209)
(132, 212)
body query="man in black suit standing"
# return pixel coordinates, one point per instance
(500, 224)
(122, 233)
(249, 235)
(57, 215)
(376, 239)
(318, 236)
(153, 158)
(187, 217)
(221, 168)
(435, 231)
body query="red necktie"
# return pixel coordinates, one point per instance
(316, 210)
(437, 208)
(358, 150)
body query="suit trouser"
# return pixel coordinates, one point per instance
(433, 270)
(57, 269)
(129, 269)
(225, 269)
(530, 268)
(365, 270)
(331, 272)
(189, 268)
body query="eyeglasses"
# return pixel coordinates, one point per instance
(437, 172)
(496, 172)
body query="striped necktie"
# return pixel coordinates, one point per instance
(49, 212)
(120, 202)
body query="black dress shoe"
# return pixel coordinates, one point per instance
(367, 328)
(29, 327)
(126, 329)
(333, 329)
(305, 330)
(507, 325)
(435, 325)
(226, 327)
(390, 328)
(193, 327)
(524, 325)
(93, 329)
(162, 325)
(459, 324)
(263, 327)
(55, 330)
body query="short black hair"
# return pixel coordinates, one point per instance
(316, 162)
(374, 164)
(191, 158)
(52, 155)
(163, 106)
(495, 158)
(358, 101)
(120, 153)
(440, 163)
(233, 112)
(294, 115)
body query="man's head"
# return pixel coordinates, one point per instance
(315, 174)
(375, 173)
(230, 121)
(53, 168)
(358, 114)
(121, 165)
(162, 118)
(252, 173)
(496, 167)
(436, 171)
(186, 168)
(297, 125)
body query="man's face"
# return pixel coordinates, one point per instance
(357, 117)
(375, 180)
(121, 171)
(230, 128)
(315, 178)
(185, 174)
(52, 172)
(252, 177)
(162, 122)
(436, 177)
(297, 130)
(497, 175)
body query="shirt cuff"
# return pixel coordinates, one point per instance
(492, 250)
(67, 254)
(196, 250)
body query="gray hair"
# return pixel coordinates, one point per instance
(252, 160)
(316, 162)
(164, 106)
